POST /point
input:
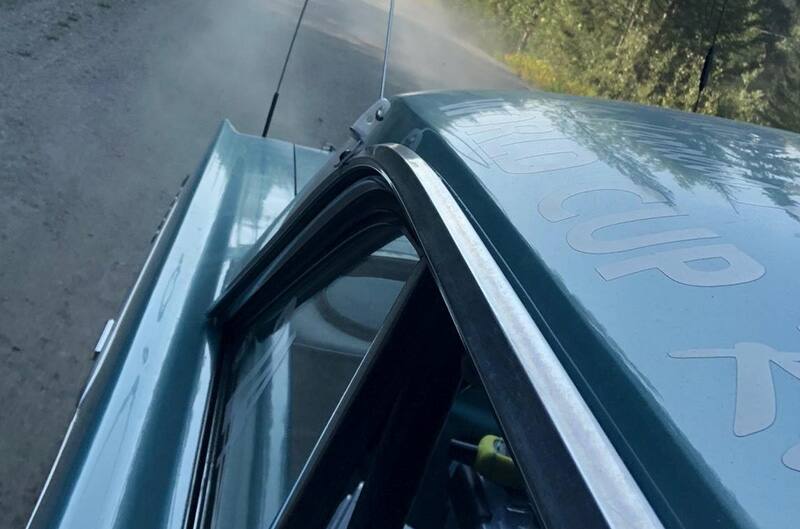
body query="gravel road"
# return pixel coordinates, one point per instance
(104, 107)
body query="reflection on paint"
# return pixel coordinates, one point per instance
(671, 203)
(552, 208)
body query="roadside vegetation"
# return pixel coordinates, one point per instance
(653, 51)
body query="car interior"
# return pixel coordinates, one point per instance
(357, 406)
(414, 442)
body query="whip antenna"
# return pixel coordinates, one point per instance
(283, 70)
(386, 47)
(360, 129)
(708, 63)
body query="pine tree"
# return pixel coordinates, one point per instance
(653, 51)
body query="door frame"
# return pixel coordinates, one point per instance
(573, 473)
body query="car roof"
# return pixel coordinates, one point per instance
(657, 250)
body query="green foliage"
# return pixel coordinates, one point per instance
(652, 51)
(785, 85)
(542, 74)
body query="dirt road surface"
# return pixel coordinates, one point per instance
(104, 107)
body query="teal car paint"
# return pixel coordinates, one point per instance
(656, 251)
(659, 251)
(130, 454)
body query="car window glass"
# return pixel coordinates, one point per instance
(286, 378)
(470, 480)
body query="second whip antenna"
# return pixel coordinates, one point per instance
(386, 47)
(283, 70)
(275, 96)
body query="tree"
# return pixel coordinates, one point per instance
(652, 51)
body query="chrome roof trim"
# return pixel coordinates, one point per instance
(617, 494)
(572, 469)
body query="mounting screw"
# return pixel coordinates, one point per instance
(342, 157)
(379, 114)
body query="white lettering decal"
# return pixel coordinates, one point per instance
(755, 391)
(792, 457)
(674, 264)
(552, 206)
(581, 237)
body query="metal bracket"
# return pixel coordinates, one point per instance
(362, 127)
(101, 342)
(365, 123)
